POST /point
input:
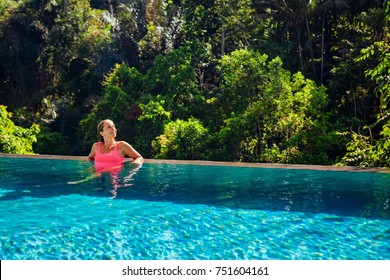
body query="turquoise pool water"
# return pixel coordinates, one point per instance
(167, 211)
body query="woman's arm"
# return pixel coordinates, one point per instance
(92, 154)
(128, 150)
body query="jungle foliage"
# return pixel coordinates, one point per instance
(293, 81)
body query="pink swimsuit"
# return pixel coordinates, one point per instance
(112, 159)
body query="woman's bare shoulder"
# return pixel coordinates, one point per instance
(95, 145)
(123, 143)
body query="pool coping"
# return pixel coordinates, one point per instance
(218, 163)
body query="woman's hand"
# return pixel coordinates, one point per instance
(139, 160)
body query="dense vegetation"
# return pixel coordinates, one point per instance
(292, 81)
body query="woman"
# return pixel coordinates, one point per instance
(108, 152)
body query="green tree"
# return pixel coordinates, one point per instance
(21, 39)
(376, 151)
(349, 88)
(52, 50)
(172, 92)
(78, 39)
(237, 24)
(174, 78)
(123, 87)
(270, 114)
(15, 139)
(141, 105)
(294, 16)
(183, 140)
(244, 75)
(328, 10)
(163, 30)
(151, 124)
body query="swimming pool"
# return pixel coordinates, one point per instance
(188, 212)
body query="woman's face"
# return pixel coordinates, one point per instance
(109, 129)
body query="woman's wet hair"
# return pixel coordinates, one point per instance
(100, 128)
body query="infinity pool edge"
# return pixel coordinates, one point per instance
(217, 163)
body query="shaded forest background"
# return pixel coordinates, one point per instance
(236, 80)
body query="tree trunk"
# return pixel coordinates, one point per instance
(299, 50)
(311, 49)
(223, 42)
(66, 8)
(322, 45)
